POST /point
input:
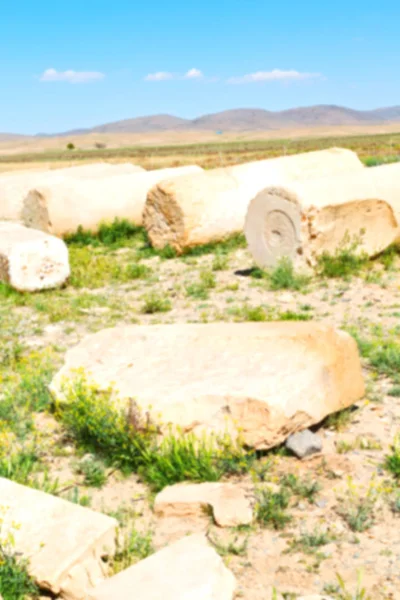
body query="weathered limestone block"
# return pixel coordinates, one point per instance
(61, 207)
(64, 542)
(15, 186)
(302, 220)
(188, 569)
(266, 379)
(231, 504)
(210, 206)
(31, 260)
(100, 170)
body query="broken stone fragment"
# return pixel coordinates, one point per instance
(259, 381)
(301, 220)
(231, 504)
(64, 543)
(188, 569)
(31, 260)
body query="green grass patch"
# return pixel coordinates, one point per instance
(392, 460)
(381, 349)
(155, 303)
(200, 290)
(98, 424)
(15, 582)
(93, 472)
(346, 262)
(376, 161)
(283, 276)
(308, 543)
(272, 508)
(290, 315)
(118, 234)
(135, 546)
(305, 488)
(226, 246)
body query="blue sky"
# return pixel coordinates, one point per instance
(79, 63)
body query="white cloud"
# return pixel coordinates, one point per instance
(274, 75)
(71, 76)
(193, 74)
(166, 75)
(159, 76)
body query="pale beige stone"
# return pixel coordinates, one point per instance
(31, 260)
(231, 504)
(267, 379)
(187, 570)
(99, 170)
(208, 207)
(301, 220)
(62, 206)
(63, 542)
(315, 597)
(14, 187)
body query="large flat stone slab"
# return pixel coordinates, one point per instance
(267, 380)
(63, 542)
(187, 570)
(31, 260)
(231, 504)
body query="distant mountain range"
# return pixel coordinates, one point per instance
(244, 119)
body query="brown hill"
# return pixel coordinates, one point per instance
(254, 119)
(142, 125)
(242, 120)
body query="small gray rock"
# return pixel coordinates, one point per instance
(304, 443)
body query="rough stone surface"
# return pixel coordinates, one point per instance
(207, 207)
(60, 207)
(64, 542)
(31, 260)
(302, 220)
(231, 504)
(268, 379)
(187, 570)
(14, 187)
(304, 443)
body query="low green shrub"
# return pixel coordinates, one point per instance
(93, 471)
(271, 508)
(284, 277)
(309, 542)
(154, 303)
(15, 582)
(392, 460)
(305, 488)
(345, 262)
(98, 425)
(138, 271)
(96, 422)
(200, 290)
(381, 349)
(134, 547)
